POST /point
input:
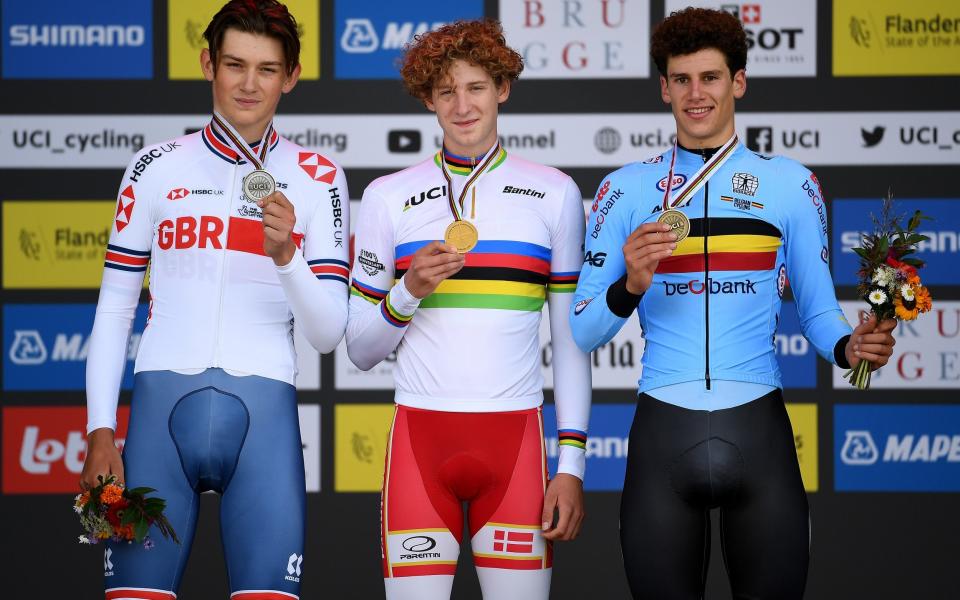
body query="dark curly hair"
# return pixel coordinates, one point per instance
(261, 17)
(428, 57)
(693, 29)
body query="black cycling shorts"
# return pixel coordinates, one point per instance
(741, 460)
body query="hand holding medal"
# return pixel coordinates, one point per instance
(278, 221)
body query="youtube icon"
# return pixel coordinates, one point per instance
(403, 140)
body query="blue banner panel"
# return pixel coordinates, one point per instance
(798, 360)
(906, 447)
(46, 345)
(66, 39)
(850, 217)
(606, 444)
(369, 36)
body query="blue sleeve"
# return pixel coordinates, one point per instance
(804, 226)
(593, 320)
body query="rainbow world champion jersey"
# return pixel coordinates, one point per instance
(714, 305)
(473, 345)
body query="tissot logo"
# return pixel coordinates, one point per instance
(872, 138)
(404, 140)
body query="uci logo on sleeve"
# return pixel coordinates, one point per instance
(64, 39)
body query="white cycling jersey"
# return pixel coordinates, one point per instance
(473, 345)
(216, 300)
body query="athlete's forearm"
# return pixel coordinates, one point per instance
(319, 306)
(374, 330)
(109, 340)
(572, 388)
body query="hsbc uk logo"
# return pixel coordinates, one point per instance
(317, 167)
(124, 208)
(293, 567)
(178, 193)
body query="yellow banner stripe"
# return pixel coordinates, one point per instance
(729, 243)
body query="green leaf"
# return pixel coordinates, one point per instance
(914, 262)
(140, 530)
(141, 491)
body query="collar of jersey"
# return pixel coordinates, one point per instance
(463, 165)
(221, 148)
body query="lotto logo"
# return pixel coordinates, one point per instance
(512, 541)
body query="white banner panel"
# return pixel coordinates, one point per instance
(308, 362)
(563, 140)
(781, 36)
(579, 40)
(927, 353)
(309, 415)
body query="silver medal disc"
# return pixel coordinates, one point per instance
(258, 185)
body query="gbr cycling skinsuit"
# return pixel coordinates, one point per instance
(468, 372)
(214, 405)
(711, 429)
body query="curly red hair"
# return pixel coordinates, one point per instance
(694, 29)
(428, 57)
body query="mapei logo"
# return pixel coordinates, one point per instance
(859, 449)
(28, 348)
(678, 180)
(360, 36)
(317, 167)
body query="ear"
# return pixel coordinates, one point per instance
(739, 84)
(664, 90)
(292, 80)
(503, 92)
(206, 65)
(428, 102)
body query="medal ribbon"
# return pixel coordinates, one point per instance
(477, 172)
(700, 177)
(239, 145)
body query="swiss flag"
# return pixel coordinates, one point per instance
(317, 167)
(750, 14)
(124, 208)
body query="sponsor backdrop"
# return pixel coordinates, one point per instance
(859, 90)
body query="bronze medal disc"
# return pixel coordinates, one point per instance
(462, 235)
(678, 222)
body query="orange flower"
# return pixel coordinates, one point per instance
(904, 313)
(111, 493)
(83, 499)
(124, 531)
(913, 280)
(924, 301)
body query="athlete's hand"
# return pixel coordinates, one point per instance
(565, 496)
(871, 341)
(278, 220)
(103, 458)
(644, 249)
(429, 266)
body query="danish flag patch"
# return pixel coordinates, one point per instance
(124, 208)
(317, 167)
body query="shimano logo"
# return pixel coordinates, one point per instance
(716, 287)
(77, 35)
(508, 189)
(597, 447)
(938, 242)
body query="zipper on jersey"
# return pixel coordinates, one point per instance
(223, 267)
(706, 279)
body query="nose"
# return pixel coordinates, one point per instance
(461, 102)
(696, 92)
(249, 80)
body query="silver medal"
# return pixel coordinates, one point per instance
(258, 184)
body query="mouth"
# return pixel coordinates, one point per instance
(698, 112)
(466, 124)
(246, 102)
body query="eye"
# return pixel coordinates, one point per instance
(681, 80)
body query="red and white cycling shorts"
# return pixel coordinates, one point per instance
(435, 461)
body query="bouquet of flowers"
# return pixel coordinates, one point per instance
(888, 278)
(110, 511)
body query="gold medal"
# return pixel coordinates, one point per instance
(462, 235)
(678, 222)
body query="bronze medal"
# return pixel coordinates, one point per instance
(678, 222)
(461, 234)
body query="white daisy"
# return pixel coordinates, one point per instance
(84, 539)
(883, 276)
(906, 292)
(877, 297)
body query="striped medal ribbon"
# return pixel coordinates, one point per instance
(259, 183)
(676, 219)
(462, 233)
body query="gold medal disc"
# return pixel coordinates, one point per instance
(462, 235)
(678, 222)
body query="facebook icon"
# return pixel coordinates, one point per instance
(760, 139)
